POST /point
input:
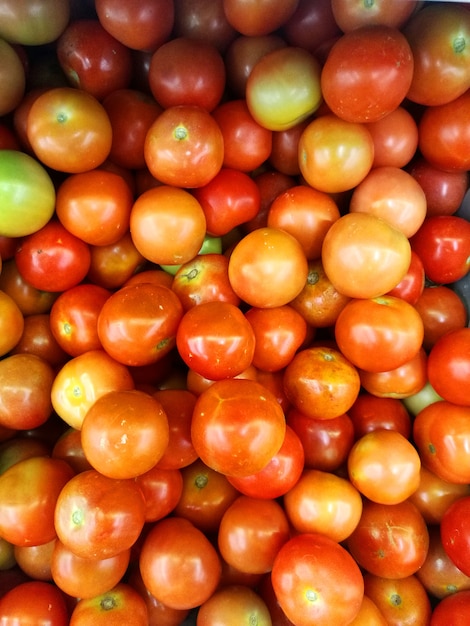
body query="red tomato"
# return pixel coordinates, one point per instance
(384, 466)
(362, 80)
(379, 334)
(443, 245)
(335, 154)
(390, 540)
(237, 427)
(52, 258)
(350, 15)
(98, 517)
(321, 382)
(234, 604)
(179, 565)
(395, 138)
(69, 130)
(216, 340)
(69, 448)
(364, 256)
(184, 146)
(267, 268)
(455, 533)
(442, 311)
(258, 18)
(311, 25)
(35, 561)
(284, 156)
(162, 490)
(411, 286)
(452, 609)
(137, 324)
(49, 606)
(204, 20)
(449, 366)
(111, 266)
(317, 581)
(37, 339)
(187, 71)
(370, 413)
(120, 605)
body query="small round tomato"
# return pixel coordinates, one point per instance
(454, 608)
(455, 533)
(234, 604)
(449, 366)
(69, 130)
(395, 138)
(120, 605)
(349, 14)
(49, 606)
(111, 266)
(369, 413)
(442, 311)
(37, 338)
(11, 323)
(252, 18)
(237, 427)
(411, 286)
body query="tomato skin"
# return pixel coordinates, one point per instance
(317, 581)
(349, 14)
(49, 606)
(454, 531)
(120, 605)
(258, 18)
(234, 604)
(395, 138)
(361, 80)
(454, 607)
(449, 366)
(178, 564)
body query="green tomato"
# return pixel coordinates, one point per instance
(27, 194)
(33, 22)
(210, 245)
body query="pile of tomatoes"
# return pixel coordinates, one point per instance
(234, 303)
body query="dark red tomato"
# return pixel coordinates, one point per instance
(390, 540)
(247, 144)
(162, 490)
(29, 299)
(369, 413)
(442, 311)
(258, 18)
(91, 507)
(141, 25)
(452, 610)
(179, 565)
(438, 37)
(455, 533)
(411, 286)
(187, 71)
(441, 433)
(326, 443)
(38, 339)
(362, 80)
(395, 138)
(270, 183)
(111, 266)
(131, 113)
(350, 14)
(74, 318)
(92, 59)
(443, 245)
(49, 606)
(444, 134)
(204, 19)
(231, 198)
(137, 324)
(216, 340)
(69, 448)
(29, 490)
(120, 605)
(52, 259)
(311, 25)
(238, 425)
(444, 189)
(317, 581)
(280, 474)
(449, 366)
(284, 157)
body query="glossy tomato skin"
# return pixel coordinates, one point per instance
(317, 581)
(454, 607)
(442, 311)
(361, 80)
(253, 18)
(449, 367)
(120, 605)
(455, 533)
(49, 606)
(350, 15)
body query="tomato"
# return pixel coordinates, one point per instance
(395, 138)
(258, 18)
(305, 213)
(364, 256)
(184, 146)
(335, 155)
(92, 59)
(322, 502)
(350, 15)
(369, 613)
(390, 540)
(11, 323)
(444, 136)
(143, 25)
(438, 37)
(162, 490)
(411, 286)
(381, 476)
(362, 80)
(285, 149)
(402, 601)
(454, 607)
(35, 561)
(379, 334)
(449, 366)
(185, 71)
(311, 25)
(137, 324)
(98, 517)
(283, 88)
(30, 489)
(178, 564)
(267, 268)
(370, 412)
(321, 383)
(86, 578)
(32, 24)
(13, 78)
(228, 200)
(49, 606)
(28, 194)
(69, 130)
(317, 581)
(52, 258)
(95, 206)
(204, 20)
(38, 339)
(113, 265)
(237, 426)
(247, 144)
(120, 605)
(124, 433)
(441, 434)
(234, 605)
(454, 532)
(68, 447)
(82, 380)
(443, 245)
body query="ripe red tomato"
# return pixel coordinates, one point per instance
(395, 138)
(162, 490)
(349, 15)
(254, 18)
(113, 265)
(455, 533)
(370, 413)
(316, 581)
(411, 286)
(49, 606)
(442, 311)
(449, 366)
(454, 608)
(120, 605)
(362, 80)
